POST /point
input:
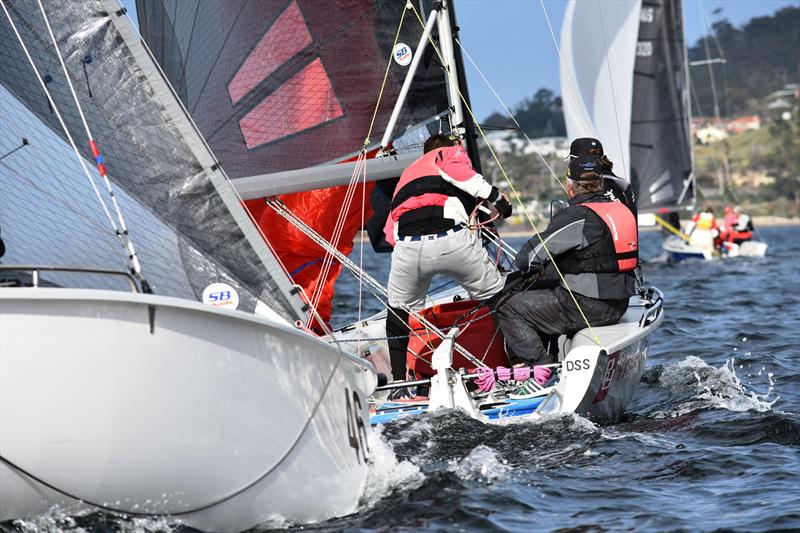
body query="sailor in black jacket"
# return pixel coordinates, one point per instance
(614, 187)
(594, 243)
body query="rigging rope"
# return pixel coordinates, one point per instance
(54, 107)
(385, 76)
(513, 189)
(613, 97)
(511, 115)
(337, 232)
(122, 230)
(359, 173)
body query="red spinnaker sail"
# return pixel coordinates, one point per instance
(302, 257)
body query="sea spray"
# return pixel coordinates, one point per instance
(482, 464)
(698, 385)
(386, 473)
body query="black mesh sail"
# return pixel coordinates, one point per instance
(283, 85)
(183, 214)
(660, 146)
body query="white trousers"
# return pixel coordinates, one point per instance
(459, 255)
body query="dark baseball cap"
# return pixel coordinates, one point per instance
(582, 145)
(585, 168)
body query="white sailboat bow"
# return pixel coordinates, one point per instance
(117, 399)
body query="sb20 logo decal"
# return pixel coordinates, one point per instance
(356, 430)
(221, 295)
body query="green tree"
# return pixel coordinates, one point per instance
(762, 56)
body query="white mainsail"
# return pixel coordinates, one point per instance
(598, 40)
(624, 79)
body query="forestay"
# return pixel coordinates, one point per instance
(183, 214)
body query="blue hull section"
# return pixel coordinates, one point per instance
(682, 256)
(390, 411)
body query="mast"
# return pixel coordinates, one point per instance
(457, 69)
(689, 185)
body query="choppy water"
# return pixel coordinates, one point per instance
(712, 440)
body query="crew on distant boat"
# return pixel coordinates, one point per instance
(614, 187)
(738, 227)
(594, 242)
(703, 230)
(743, 229)
(427, 226)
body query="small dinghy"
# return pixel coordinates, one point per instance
(679, 249)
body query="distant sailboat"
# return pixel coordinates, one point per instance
(627, 84)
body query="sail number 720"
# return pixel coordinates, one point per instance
(356, 431)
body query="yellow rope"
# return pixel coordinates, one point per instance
(385, 76)
(671, 228)
(511, 185)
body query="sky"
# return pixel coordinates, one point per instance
(511, 43)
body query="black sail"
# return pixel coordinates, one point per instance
(660, 141)
(284, 85)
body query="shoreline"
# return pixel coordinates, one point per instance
(762, 221)
(758, 221)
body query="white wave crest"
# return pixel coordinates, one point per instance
(482, 464)
(712, 387)
(60, 519)
(387, 474)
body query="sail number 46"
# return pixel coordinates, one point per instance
(356, 431)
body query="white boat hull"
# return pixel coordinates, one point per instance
(599, 380)
(600, 370)
(678, 249)
(220, 419)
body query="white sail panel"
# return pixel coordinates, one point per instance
(598, 52)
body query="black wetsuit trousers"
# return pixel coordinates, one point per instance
(528, 318)
(397, 331)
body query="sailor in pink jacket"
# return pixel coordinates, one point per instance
(427, 226)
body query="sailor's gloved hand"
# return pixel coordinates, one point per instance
(503, 206)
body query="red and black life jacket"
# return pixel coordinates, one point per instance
(624, 231)
(421, 194)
